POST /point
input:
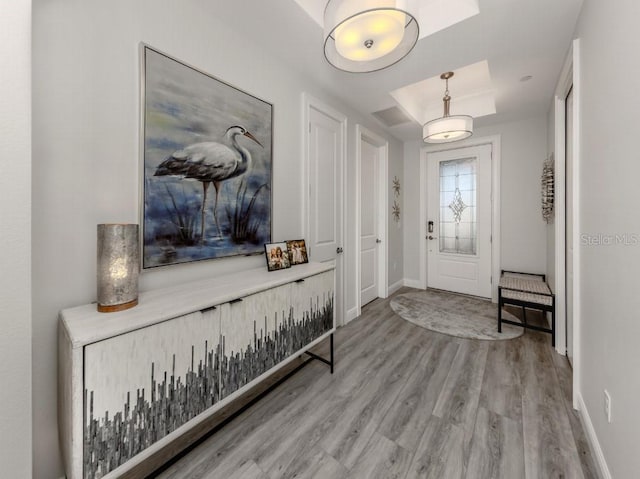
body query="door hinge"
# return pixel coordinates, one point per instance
(309, 127)
(491, 280)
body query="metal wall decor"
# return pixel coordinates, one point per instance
(548, 186)
(396, 186)
(395, 209)
(207, 165)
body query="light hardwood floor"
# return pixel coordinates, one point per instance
(405, 402)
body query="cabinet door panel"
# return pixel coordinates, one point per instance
(143, 385)
(268, 327)
(312, 302)
(249, 342)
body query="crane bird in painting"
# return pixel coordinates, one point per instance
(210, 162)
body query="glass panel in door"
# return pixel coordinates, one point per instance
(458, 192)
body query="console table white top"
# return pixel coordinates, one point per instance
(85, 325)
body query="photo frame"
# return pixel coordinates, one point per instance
(297, 252)
(277, 256)
(206, 160)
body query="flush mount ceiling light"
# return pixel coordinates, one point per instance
(447, 128)
(368, 35)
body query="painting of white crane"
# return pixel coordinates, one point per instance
(199, 131)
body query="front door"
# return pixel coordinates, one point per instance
(369, 239)
(459, 220)
(325, 164)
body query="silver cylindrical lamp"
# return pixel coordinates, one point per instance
(118, 267)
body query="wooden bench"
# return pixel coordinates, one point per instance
(526, 290)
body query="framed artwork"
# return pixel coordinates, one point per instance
(277, 257)
(297, 252)
(206, 151)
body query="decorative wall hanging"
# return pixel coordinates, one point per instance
(395, 211)
(207, 165)
(548, 186)
(396, 186)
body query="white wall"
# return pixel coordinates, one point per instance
(396, 234)
(609, 200)
(15, 238)
(86, 152)
(523, 240)
(411, 220)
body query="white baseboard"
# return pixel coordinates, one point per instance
(352, 314)
(600, 461)
(413, 283)
(395, 286)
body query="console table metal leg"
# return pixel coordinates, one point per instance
(320, 358)
(331, 342)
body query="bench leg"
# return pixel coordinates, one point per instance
(553, 323)
(499, 310)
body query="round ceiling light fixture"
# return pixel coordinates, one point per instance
(367, 35)
(447, 128)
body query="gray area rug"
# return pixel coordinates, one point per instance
(455, 315)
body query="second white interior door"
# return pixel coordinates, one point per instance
(459, 220)
(369, 237)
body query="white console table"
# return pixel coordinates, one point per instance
(133, 381)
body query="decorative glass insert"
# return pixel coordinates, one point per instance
(458, 194)
(457, 206)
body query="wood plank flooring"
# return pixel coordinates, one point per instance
(405, 403)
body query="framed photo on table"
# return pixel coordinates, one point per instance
(277, 256)
(297, 252)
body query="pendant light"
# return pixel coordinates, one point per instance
(447, 128)
(368, 35)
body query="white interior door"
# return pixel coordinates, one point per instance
(325, 207)
(569, 221)
(369, 237)
(459, 220)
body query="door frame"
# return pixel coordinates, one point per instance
(494, 141)
(569, 77)
(364, 134)
(310, 102)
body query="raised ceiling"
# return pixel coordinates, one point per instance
(512, 38)
(470, 89)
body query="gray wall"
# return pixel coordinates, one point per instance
(86, 151)
(609, 199)
(523, 239)
(15, 238)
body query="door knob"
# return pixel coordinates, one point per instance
(431, 237)
(339, 250)
(378, 240)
